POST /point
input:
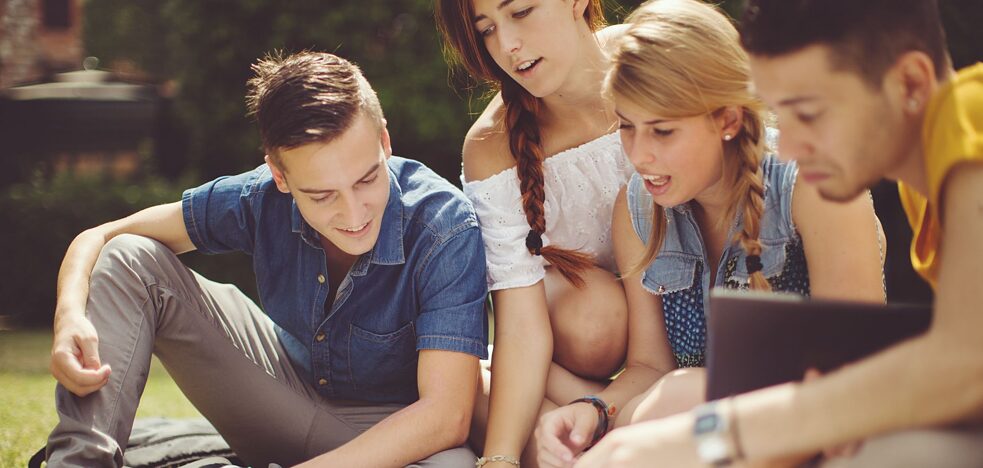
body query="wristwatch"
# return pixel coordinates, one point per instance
(716, 442)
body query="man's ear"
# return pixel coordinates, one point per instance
(911, 82)
(729, 121)
(387, 145)
(278, 177)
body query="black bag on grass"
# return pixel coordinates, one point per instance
(168, 443)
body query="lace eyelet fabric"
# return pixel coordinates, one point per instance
(581, 185)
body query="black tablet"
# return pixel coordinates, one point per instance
(755, 340)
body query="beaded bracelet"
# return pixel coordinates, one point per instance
(604, 413)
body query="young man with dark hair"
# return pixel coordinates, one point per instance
(371, 273)
(863, 90)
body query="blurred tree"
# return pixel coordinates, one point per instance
(206, 48)
(48, 212)
(200, 52)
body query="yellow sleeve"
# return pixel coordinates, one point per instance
(952, 134)
(953, 131)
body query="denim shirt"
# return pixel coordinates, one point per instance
(679, 273)
(422, 286)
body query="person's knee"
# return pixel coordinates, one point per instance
(128, 261)
(129, 251)
(687, 386)
(590, 324)
(590, 342)
(677, 391)
(126, 248)
(595, 352)
(685, 378)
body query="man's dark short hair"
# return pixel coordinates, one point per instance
(864, 36)
(306, 98)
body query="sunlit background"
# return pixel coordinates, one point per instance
(107, 106)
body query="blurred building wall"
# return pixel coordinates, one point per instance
(37, 38)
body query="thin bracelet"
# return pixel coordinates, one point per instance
(496, 458)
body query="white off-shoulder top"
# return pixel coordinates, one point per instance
(581, 186)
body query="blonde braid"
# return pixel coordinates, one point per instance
(748, 147)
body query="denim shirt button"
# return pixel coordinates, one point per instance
(322, 382)
(320, 337)
(662, 289)
(321, 279)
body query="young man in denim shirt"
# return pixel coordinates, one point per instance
(370, 270)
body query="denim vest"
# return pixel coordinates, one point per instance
(679, 274)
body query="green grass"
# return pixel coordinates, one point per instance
(27, 396)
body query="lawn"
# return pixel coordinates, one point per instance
(27, 395)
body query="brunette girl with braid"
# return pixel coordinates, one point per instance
(709, 206)
(542, 165)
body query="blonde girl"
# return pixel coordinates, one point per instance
(709, 206)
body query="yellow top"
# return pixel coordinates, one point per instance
(951, 134)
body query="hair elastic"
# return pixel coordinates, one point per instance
(534, 242)
(753, 264)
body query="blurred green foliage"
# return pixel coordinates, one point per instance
(207, 48)
(42, 217)
(200, 52)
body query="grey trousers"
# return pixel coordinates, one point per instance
(222, 352)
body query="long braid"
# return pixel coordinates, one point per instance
(748, 146)
(521, 110)
(525, 143)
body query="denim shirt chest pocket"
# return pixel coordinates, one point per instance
(773, 253)
(671, 272)
(381, 362)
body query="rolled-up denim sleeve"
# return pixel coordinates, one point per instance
(218, 214)
(452, 291)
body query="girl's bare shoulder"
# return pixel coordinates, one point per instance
(486, 146)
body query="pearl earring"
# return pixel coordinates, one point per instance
(913, 104)
(727, 136)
